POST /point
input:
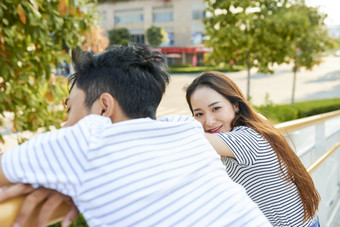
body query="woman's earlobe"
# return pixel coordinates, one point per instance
(236, 108)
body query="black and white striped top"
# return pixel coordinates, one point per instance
(257, 169)
(140, 172)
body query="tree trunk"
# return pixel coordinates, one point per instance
(248, 84)
(293, 91)
(294, 85)
(248, 76)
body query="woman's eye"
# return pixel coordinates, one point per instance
(198, 114)
(216, 108)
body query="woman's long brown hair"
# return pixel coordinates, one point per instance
(247, 116)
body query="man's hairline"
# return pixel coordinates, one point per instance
(70, 90)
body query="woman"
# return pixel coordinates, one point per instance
(256, 155)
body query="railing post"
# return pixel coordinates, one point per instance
(320, 186)
(338, 161)
(320, 140)
(319, 176)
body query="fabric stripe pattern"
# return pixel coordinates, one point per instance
(257, 169)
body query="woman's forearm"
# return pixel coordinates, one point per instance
(220, 147)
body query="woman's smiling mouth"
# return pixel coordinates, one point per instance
(215, 130)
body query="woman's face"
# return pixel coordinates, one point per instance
(213, 110)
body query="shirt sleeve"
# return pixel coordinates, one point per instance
(55, 160)
(244, 144)
(184, 118)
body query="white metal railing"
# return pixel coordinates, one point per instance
(316, 140)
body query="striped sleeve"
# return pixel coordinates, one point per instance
(54, 159)
(183, 118)
(244, 143)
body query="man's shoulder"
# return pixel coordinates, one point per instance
(182, 119)
(178, 118)
(97, 119)
(92, 122)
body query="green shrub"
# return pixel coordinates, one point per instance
(278, 113)
(179, 65)
(314, 107)
(198, 69)
(79, 222)
(284, 112)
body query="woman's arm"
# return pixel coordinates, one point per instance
(220, 147)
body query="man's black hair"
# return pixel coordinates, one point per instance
(135, 75)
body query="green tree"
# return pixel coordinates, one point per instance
(155, 36)
(245, 32)
(119, 36)
(335, 44)
(33, 36)
(308, 41)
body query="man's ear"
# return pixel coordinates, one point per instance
(107, 105)
(110, 107)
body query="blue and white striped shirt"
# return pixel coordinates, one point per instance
(257, 169)
(139, 172)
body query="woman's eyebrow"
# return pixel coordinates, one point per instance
(214, 103)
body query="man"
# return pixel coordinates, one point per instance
(122, 167)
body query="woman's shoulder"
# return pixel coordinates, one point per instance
(247, 133)
(244, 129)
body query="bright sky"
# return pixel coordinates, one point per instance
(330, 7)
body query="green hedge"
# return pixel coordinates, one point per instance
(198, 69)
(285, 112)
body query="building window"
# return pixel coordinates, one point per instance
(162, 14)
(197, 34)
(198, 15)
(197, 37)
(133, 16)
(170, 38)
(137, 36)
(198, 11)
(103, 18)
(171, 61)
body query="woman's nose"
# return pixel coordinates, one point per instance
(210, 120)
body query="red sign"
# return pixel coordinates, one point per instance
(187, 50)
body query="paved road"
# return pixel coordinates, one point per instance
(321, 82)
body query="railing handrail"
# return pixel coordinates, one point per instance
(323, 158)
(289, 126)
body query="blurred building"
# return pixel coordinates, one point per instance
(181, 19)
(334, 31)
